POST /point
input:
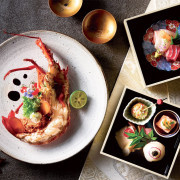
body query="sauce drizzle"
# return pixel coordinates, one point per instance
(25, 76)
(16, 81)
(14, 95)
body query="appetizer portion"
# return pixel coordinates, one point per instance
(162, 40)
(154, 151)
(45, 107)
(166, 123)
(123, 141)
(130, 139)
(161, 45)
(139, 111)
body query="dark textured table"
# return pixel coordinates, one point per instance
(25, 15)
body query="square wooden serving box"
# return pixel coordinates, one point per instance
(136, 28)
(110, 147)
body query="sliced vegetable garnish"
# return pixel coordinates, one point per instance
(78, 99)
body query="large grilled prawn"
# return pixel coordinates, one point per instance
(51, 117)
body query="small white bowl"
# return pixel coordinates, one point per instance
(127, 111)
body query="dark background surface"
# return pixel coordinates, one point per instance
(138, 27)
(25, 15)
(137, 157)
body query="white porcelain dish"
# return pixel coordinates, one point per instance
(84, 74)
(127, 111)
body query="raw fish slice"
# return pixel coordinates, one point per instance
(172, 53)
(162, 39)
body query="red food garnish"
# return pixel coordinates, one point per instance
(159, 101)
(17, 110)
(34, 86)
(35, 92)
(147, 130)
(128, 130)
(23, 89)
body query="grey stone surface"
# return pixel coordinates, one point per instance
(25, 15)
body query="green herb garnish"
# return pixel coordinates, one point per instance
(176, 39)
(168, 125)
(30, 106)
(140, 139)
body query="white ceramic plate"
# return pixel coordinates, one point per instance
(84, 74)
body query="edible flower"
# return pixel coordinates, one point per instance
(23, 89)
(33, 86)
(29, 94)
(35, 92)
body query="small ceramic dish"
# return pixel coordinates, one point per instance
(99, 26)
(65, 8)
(127, 111)
(174, 130)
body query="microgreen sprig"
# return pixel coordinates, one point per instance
(140, 139)
(167, 125)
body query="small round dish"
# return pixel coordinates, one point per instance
(128, 115)
(170, 114)
(65, 8)
(99, 26)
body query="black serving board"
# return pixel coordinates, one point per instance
(137, 27)
(137, 158)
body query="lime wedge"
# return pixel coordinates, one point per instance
(78, 99)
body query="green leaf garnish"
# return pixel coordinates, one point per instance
(151, 134)
(144, 139)
(176, 39)
(131, 134)
(140, 139)
(142, 133)
(136, 132)
(139, 145)
(154, 138)
(135, 141)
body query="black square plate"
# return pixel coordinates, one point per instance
(111, 149)
(136, 28)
